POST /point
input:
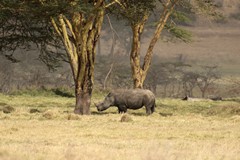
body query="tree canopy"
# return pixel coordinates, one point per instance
(66, 29)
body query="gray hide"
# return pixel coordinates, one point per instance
(129, 99)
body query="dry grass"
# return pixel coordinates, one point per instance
(65, 136)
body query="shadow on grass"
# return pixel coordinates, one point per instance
(166, 114)
(102, 113)
(113, 112)
(137, 113)
(62, 93)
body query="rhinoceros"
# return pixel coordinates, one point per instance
(129, 99)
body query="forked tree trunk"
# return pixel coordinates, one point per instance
(80, 34)
(139, 72)
(86, 51)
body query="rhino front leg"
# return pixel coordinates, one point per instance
(122, 109)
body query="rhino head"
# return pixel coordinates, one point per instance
(108, 101)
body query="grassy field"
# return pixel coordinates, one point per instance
(43, 127)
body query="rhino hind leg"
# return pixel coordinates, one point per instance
(153, 107)
(150, 108)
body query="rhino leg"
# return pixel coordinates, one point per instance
(150, 108)
(153, 107)
(148, 111)
(122, 109)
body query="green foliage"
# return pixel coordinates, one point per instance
(205, 6)
(133, 10)
(208, 8)
(22, 25)
(179, 33)
(180, 17)
(27, 25)
(63, 92)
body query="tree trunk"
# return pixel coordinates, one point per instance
(83, 101)
(139, 72)
(203, 93)
(85, 76)
(80, 34)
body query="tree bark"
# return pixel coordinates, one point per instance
(137, 72)
(80, 35)
(135, 59)
(83, 100)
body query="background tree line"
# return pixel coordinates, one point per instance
(174, 78)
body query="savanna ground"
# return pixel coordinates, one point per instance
(43, 127)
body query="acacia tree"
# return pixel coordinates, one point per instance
(138, 12)
(189, 81)
(206, 78)
(79, 35)
(50, 24)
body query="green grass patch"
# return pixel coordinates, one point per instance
(224, 110)
(62, 92)
(165, 107)
(205, 108)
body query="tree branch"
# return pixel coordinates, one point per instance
(70, 48)
(113, 2)
(162, 21)
(69, 26)
(57, 29)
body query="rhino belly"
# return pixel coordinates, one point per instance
(134, 105)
